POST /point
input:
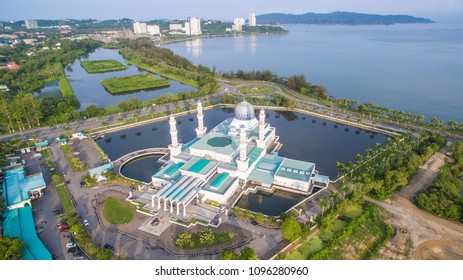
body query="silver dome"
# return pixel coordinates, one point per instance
(244, 111)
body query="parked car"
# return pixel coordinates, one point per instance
(71, 244)
(63, 230)
(86, 223)
(57, 209)
(78, 256)
(72, 249)
(254, 223)
(108, 246)
(63, 226)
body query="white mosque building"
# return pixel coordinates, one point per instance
(216, 164)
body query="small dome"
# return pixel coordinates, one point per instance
(244, 111)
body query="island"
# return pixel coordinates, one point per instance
(341, 18)
(128, 84)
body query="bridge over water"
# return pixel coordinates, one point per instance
(120, 162)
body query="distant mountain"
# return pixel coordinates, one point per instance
(342, 18)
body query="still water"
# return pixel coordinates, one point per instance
(89, 91)
(303, 137)
(415, 68)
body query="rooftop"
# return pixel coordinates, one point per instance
(17, 186)
(217, 142)
(199, 166)
(20, 223)
(295, 169)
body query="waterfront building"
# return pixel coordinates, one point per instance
(31, 24)
(153, 29)
(139, 28)
(175, 26)
(193, 26)
(238, 21)
(252, 19)
(216, 165)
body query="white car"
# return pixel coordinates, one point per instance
(70, 245)
(86, 223)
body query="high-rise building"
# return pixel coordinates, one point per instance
(31, 24)
(153, 29)
(238, 21)
(175, 26)
(139, 28)
(252, 19)
(193, 26)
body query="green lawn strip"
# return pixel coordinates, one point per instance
(170, 72)
(46, 153)
(309, 246)
(255, 89)
(65, 198)
(127, 84)
(75, 162)
(67, 92)
(101, 66)
(116, 211)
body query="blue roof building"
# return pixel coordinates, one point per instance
(18, 189)
(19, 223)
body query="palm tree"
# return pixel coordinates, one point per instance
(344, 190)
(323, 205)
(334, 197)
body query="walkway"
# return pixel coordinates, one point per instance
(120, 162)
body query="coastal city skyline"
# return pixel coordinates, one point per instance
(448, 9)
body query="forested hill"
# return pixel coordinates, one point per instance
(343, 18)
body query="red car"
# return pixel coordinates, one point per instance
(64, 230)
(63, 227)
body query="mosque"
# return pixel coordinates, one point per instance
(216, 165)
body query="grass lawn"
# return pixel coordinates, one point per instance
(116, 211)
(101, 66)
(128, 84)
(309, 246)
(353, 211)
(65, 198)
(337, 227)
(255, 89)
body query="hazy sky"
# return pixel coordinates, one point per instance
(216, 9)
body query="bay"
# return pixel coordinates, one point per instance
(416, 68)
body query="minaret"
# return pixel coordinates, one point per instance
(261, 143)
(262, 124)
(243, 161)
(201, 129)
(174, 147)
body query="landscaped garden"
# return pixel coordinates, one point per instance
(127, 84)
(101, 66)
(255, 89)
(116, 211)
(203, 238)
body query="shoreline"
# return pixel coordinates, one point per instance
(218, 36)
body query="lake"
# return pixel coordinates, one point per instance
(89, 91)
(415, 68)
(303, 137)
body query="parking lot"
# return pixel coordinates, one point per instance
(85, 151)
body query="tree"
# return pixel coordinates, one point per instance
(297, 82)
(184, 240)
(248, 254)
(229, 255)
(11, 248)
(104, 254)
(291, 229)
(206, 236)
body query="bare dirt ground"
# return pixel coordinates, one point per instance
(426, 175)
(419, 234)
